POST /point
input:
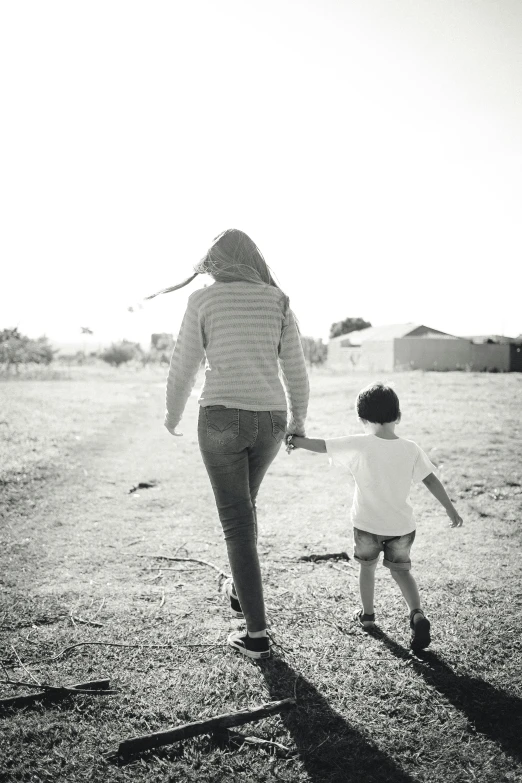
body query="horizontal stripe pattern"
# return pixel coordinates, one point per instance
(254, 357)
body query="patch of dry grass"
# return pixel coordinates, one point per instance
(368, 710)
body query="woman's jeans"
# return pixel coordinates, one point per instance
(237, 447)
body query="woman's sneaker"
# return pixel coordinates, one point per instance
(420, 631)
(364, 620)
(235, 606)
(258, 647)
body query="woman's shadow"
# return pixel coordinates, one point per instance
(331, 749)
(489, 710)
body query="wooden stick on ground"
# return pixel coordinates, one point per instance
(51, 694)
(136, 745)
(328, 556)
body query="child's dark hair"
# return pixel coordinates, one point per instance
(378, 403)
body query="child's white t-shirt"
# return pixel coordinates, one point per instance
(383, 471)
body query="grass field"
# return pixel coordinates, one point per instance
(76, 545)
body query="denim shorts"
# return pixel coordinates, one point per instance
(368, 546)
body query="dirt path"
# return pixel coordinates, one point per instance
(83, 534)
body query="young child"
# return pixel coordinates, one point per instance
(384, 467)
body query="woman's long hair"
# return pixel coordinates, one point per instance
(233, 257)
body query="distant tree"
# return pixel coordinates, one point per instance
(40, 351)
(120, 353)
(347, 326)
(17, 349)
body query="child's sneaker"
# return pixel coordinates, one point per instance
(364, 620)
(235, 606)
(420, 631)
(258, 647)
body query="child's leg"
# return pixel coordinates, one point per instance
(409, 590)
(366, 551)
(397, 559)
(367, 586)
(419, 623)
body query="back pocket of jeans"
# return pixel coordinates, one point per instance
(222, 424)
(278, 424)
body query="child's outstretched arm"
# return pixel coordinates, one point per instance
(437, 490)
(310, 444)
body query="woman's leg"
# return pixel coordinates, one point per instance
(227, 464)
(270, 435)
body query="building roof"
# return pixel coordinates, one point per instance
(389, 332)
(493, 338)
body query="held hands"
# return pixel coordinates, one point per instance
(455, 518)
(289, 444)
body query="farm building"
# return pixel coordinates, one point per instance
(514, 344)
(413, 346)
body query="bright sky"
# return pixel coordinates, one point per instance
(371, 148)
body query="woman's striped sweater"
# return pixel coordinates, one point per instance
(254, 357)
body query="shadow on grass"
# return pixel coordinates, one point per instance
(331, 749)
(489, 710)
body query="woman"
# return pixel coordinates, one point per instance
(243, 326)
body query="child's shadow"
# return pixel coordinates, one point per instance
(489, 710)
(331, 750)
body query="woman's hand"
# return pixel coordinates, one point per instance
(173, 431)
(289, 444)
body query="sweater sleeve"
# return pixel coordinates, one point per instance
(184, 364)
(294, 375)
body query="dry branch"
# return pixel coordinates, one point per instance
(191, 560)
(237, 738)
(312, 558)
(86, 622)
(24, 667)
(98, 610)
(350, 572)
(104, 644)
(53, 693)
(139, 646)
(136, 745)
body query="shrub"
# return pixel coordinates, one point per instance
(120, 353)
(17, 348)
